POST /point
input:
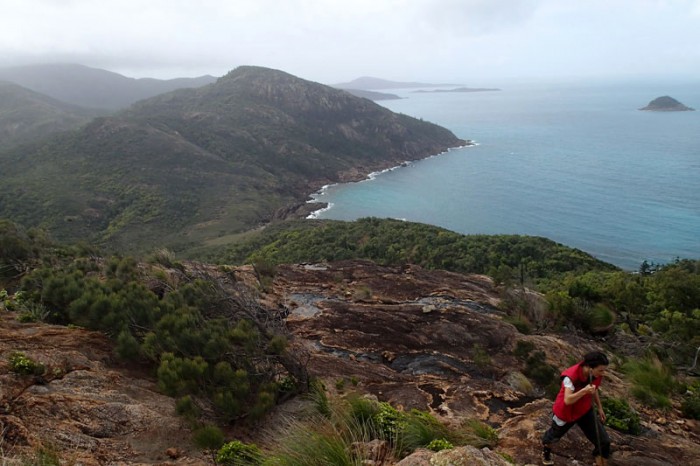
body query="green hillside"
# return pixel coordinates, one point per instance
(27, 116)
(197, 164)
(509, 258)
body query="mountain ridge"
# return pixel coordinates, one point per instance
(198, 163)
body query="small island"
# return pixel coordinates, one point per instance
(666, 104)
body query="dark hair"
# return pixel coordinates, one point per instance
(595, 359)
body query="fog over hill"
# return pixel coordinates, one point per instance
(92, 87)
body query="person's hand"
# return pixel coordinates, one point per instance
(602, 415)
(590, 389)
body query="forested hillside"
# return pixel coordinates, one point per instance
(197, 164)
(27, 116)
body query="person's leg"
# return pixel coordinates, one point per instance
(553, 434)
(597, 435)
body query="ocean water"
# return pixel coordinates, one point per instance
(576, 163)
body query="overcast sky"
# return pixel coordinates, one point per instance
(473, 42)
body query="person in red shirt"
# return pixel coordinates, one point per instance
(574, 405)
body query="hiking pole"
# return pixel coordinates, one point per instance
(595, 423)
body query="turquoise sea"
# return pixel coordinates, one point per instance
(576, 163)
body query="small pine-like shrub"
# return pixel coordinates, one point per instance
(237, 453)
(620, 416)
(127, 347)
(208, 437)
(186, 408)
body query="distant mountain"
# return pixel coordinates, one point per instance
(460, 89)
(371, 95)
(27, 116)
(369, 83)
(193, 165)
(92, 87)
(666, 104)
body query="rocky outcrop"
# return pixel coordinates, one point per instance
(84, 405)
(431, 340)
(437, 341)
(666, 104)
(460, 456)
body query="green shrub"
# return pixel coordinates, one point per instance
(481, 357)
(265, 268)
(162, 256)
(542, 373)
(390, 421)
(320, 398)
(30, 311)
(620, 416)
(361, 410)
(319, 442)
(186, 408)
(439, 444)
(208, 437)
(599, 318)
(521, 324)
(237, 453)
(652, 381)
(128, 347)
(483, 431)
(690, 406)
(523, 349)
(44, 456)
(21, 364)
(420, 430)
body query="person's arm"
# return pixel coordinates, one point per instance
(571, 397)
